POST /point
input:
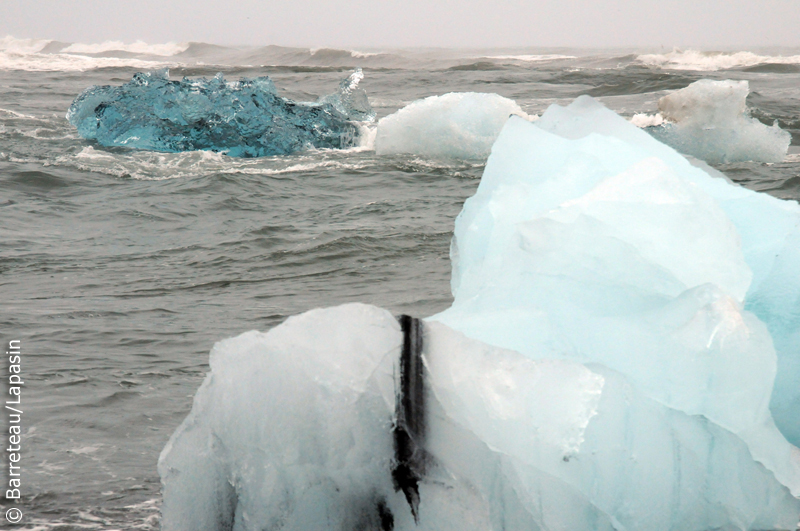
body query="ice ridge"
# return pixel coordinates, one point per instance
(246, 118)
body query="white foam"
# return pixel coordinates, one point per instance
(24, 54)
(710, 61)
(647, 120)
(16, 114)
(363, 55)
(36, 62)
(140, 47)
(11, 44)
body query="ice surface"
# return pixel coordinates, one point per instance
(246, 118)
(460, 125)
(710, 121)
(607, 363)
(292, 429)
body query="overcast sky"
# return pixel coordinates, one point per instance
(405, 23)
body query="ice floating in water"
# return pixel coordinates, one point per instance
(246, 118)
(710, 121)
(607, 364)
(460, 125)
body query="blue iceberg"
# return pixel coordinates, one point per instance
(608, 363)
(246, 118)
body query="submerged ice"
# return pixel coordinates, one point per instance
(246, 118)
(709, 120)
(608, 362)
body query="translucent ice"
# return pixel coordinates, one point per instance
(582, 233)
(246, 118)
(709, 120)
(292, 429)
(456, 125)
(607, 363)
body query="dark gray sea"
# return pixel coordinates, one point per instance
(120, 269)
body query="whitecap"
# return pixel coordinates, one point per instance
(37, 62)
(710, 61)
(11, 44)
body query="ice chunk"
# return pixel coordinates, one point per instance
(769, 228)
(351, 100)
(710, 121)
(552, 257)
(607, 363)
(293, 429)
(456, 125)
(246, 118)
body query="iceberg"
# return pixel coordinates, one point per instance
(246, 118)
(709, 120)
(609, 362)
(460, 125)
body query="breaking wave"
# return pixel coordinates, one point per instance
(38, 55)
(710, 61)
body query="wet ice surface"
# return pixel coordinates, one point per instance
(246, 118)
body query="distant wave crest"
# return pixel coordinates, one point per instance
(710, 61)
(39, 55)
(138, 47)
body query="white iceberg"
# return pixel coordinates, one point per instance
(461, 125)
(608, 363)
(709, 120)
(292, 430)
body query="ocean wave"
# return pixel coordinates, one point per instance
(710, 61)
(11, 44)
(144, 165)
(298, 168)
(37, 62)
(138, 47)
(40, 55)
(531, 58)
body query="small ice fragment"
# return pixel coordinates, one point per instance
(709, 120)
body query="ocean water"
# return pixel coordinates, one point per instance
(120, 269)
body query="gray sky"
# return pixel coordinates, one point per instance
(401, 23)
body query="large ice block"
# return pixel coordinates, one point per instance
(585, 229)
(246, 118)
(709, 120)
(293, 430)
